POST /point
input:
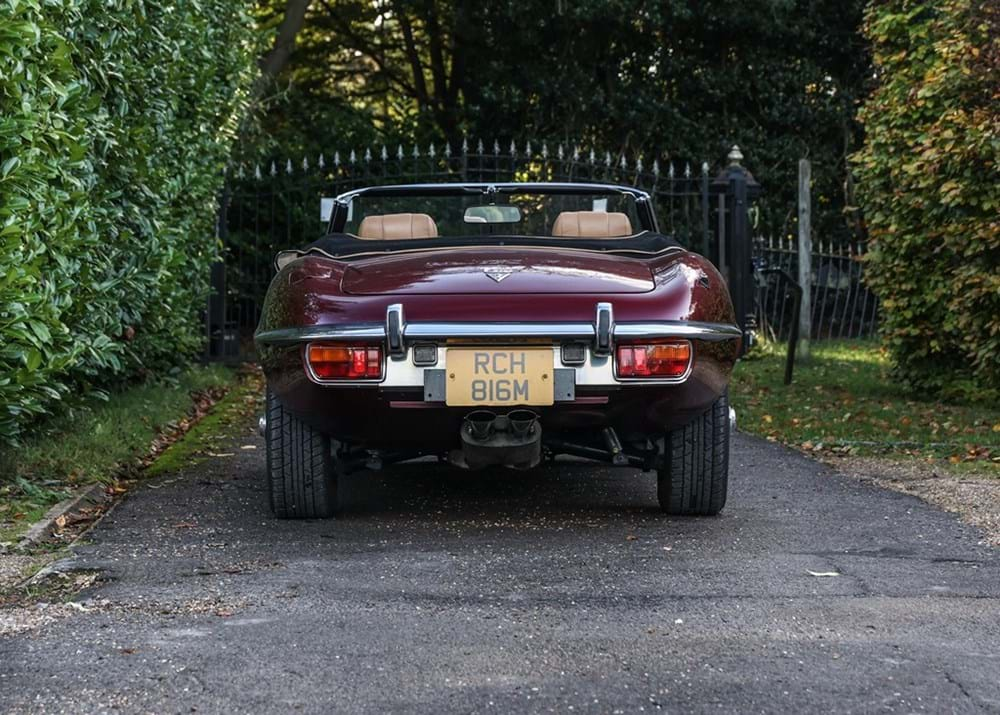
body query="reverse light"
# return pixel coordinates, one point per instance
(340, 362)
(666, 359)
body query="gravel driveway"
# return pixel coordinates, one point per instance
(556, 590)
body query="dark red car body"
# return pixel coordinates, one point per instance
(316, 295)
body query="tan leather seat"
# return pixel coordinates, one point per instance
(395, 227)
(591, 224)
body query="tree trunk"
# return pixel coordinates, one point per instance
(275, 60)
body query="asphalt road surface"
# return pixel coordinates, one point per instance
(557, 590)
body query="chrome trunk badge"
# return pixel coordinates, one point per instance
(497, 274)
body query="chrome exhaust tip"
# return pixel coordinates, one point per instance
(262, 425)
(732, 420)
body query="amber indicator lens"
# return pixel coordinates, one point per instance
(669, 359)
(339, 362)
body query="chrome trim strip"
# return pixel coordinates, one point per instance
(712, 332)
(420, 331)
(294, 336)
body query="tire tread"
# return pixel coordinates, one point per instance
(301, 480)
(694, 477)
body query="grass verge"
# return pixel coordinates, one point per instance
(843, 402)
(100, 443)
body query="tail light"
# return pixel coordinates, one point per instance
(667, 359)
(342, 362)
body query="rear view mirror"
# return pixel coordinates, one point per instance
(492, 214)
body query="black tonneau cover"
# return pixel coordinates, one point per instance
(345, 246)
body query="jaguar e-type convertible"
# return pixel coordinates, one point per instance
(496, 325)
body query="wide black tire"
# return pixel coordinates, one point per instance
(301, 479)
(694, 476)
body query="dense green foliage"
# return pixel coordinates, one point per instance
(116, 118)
(931, 188)
(678, 78)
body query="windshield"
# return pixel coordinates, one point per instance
(513, 213)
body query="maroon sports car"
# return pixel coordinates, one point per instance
(496, 324)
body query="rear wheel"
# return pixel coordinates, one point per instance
(694, 475)
(301, 480)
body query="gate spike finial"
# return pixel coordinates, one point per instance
(560, 152)
(288, 167)
(416, 152)
(465, 144)
(479, 147)
(735, 156)
(607, 158)
(447, 150)
(399, 152)
(545, 150)
(274, 168)
(638, 164)
(624, 164)
(591, 156)
(670, 170)
(256, 172)
(704, 168)
(431, 152)
(687, 170)
(496, 147)
(368, 154)
(527, 149)
(384, 155)
(513, 148)
(656, 168)
(353, 158)
(321, 162)
(305, 163)
(576, 152)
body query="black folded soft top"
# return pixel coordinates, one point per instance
(345, 246)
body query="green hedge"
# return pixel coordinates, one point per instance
(116, 118)
(930, 186)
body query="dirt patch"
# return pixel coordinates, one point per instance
(976, 499)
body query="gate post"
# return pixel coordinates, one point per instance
(739, 188)
(805, 258)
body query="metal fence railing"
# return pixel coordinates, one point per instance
(842, 305)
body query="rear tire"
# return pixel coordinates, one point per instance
(301, 480)
(694, 476)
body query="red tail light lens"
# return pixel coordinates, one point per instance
(668, 359)
(339, 362)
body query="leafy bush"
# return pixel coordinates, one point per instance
(931, 189)
(116, 118)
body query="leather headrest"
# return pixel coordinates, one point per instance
(591, 224)
(393, 227)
